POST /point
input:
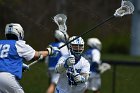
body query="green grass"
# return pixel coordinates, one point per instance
(127, 78)
(35, 80)
(120, 57)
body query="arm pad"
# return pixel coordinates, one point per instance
(60, 68)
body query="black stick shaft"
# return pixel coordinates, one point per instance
(99, 24)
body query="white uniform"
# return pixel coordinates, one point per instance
(64, 85)
(94, 82)
(51, 61)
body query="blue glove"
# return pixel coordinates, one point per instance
(25, 67)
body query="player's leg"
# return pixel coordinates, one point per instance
(51, 88)
(60, 90)
(95, 83)
(8, 83)
(98, 82)
(97, 91)
(54, 80)
(86, 91)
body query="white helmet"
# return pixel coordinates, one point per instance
(76, 46)
(16, 29)
(94, 43)
(60, 35)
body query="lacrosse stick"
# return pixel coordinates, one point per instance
(126, 8)
(34, 62)
(60, 20)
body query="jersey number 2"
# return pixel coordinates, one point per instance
(4, 50)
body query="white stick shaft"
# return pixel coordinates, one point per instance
(34, 62)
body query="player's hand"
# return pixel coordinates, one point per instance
(79, 78)
(104, 67)
(52, 50)
(69, 61)
(25, 67)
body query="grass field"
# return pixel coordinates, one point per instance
(127, 78)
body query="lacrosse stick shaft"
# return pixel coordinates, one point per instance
(34, 62)
(60, 20)
(69, 52)
(96, 26)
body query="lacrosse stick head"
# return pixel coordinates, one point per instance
(60, 20)
(126, 8)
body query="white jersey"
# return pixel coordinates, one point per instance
(64, 85)
(51, 61)
(93, 55)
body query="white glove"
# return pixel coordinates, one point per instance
(69, 61)
(79, 78)
(52, 50)
(104, 67)
(25, 67)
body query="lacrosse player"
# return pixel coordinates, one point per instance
(93, 55)
(74, 69)
(51, 61)
(12, 52)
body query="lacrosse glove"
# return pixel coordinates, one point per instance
(79, 78)
(25, 67)
(52, 50)
(69, 61)
(104, 67)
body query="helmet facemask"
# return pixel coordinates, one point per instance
(77, 46)
(76, 50)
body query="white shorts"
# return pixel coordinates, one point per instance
(94, 82)
(71, 89)
(54, 76)
(8, 84)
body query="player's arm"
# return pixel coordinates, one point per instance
(27, 52)
(49, 51)
(59, 68)
(64, 63)
(84, 75)
(95, 60)
(81, 78)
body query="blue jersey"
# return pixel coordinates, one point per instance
(52, 60)
(11, 56)
(93, 56)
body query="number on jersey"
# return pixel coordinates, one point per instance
(4, 49)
